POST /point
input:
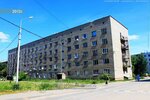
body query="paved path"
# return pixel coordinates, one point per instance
(112, 91)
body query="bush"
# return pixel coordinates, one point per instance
(47, 86)
(94, 82)
(105, 77)
(15, 87)
(23, 76)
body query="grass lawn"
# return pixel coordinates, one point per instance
(36, 84)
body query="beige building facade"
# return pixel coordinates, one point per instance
(84, 51)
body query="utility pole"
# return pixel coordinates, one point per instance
(18, 53)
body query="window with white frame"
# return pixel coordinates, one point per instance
(84, 36)
(107, 71)
(76, 55)
(104, 41)
(94, 43)
(94, 34)
(77, 38)
(105, 51)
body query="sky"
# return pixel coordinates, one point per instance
(52, 16)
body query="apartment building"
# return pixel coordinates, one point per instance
(85, 51)
(147, 57)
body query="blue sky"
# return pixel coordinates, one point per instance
(134, 14)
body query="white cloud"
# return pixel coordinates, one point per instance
(4, 37)
(133, 37)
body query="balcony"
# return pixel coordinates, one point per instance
(125, 58)
(125, 47)
(123, 39)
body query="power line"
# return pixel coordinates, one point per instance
(9, 44)
(21, 27)
(50, 13)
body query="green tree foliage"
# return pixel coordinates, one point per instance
(139, 64)
(105, 77)
(3, 69)
(23, 76)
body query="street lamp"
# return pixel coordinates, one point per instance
(18, 53)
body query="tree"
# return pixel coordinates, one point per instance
(139, 64)
(23, 76)
(3, 69)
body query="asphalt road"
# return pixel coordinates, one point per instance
(113, 91)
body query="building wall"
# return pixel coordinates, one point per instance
(36, 56)
(118, 31)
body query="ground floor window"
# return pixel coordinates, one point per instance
(107, 71)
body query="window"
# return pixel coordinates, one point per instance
(95, 62)
(95, 72)
(85, 54)
(55, 66)
(149, 55)
(105, 51)
(69, 73)
(94, 34)
(69, 64)
(69, 48)
(50, 59)
(85, 72)
(36, 62)
(56, 51)
(77, 64)
(32, 50)
(50, 45)
(107, 71)
(56, 59)
(84, 36)
(50, 52)
(56, 43)
(76, 55)
(50, 67)
(77, 38)
(104, 41)
(28, 50)
(69, 40)
(69, 56)
(94, 43)
(105, 61)
(85, 45)
(95, 53)
(45, 47)
(40, 67)
(45, 67)
(40, 61)
(104, 31)
(76, 46)
(85, 63)
(35, 49)
(77, 73)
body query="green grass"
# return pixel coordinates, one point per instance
(43, 84)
